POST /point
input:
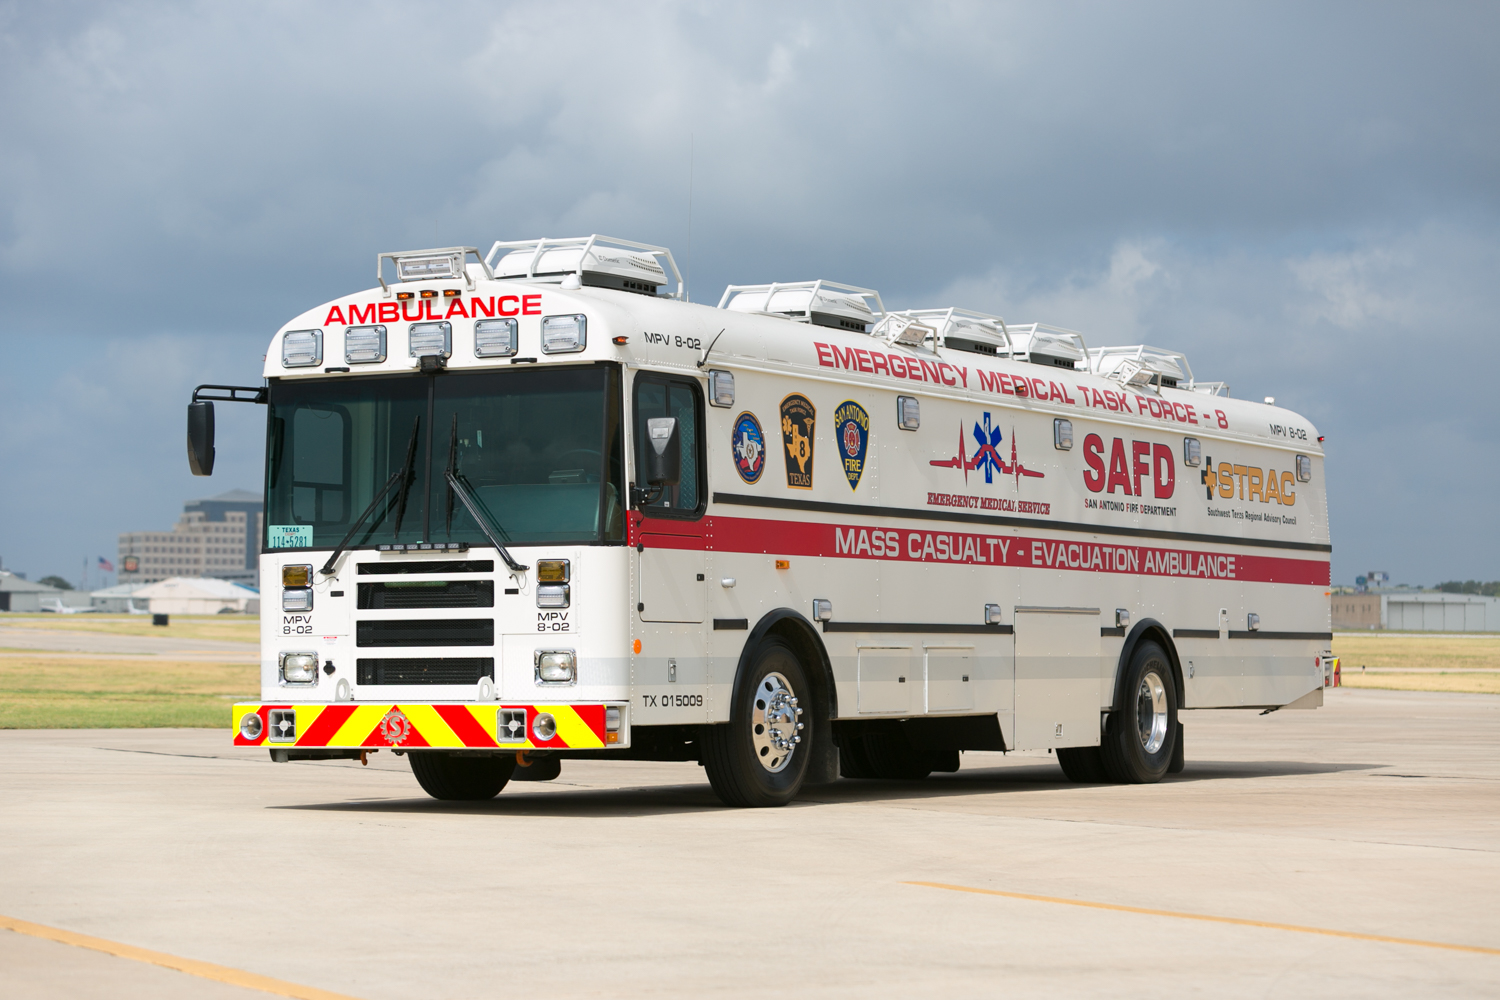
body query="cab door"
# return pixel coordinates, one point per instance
(671, 558)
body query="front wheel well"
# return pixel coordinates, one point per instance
(1146, 630)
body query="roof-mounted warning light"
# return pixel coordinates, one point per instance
(426, 265)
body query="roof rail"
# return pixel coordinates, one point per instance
(577, 254)
(821, 302)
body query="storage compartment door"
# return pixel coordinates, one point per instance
(670, 579)
(950, 678)
(887, 677)
(1057, 677)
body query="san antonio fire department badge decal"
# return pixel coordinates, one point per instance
(797, 420)
(395, 727)
(851, 427)
(749, 446)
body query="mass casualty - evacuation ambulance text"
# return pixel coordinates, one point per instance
(525, 507)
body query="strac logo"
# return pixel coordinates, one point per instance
(987, 457)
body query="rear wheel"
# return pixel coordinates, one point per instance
(1138, 744)
(1083, 765)
(760, 757)
(462, 779)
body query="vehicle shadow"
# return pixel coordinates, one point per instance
(562, 799)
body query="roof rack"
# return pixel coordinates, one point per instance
(820, 303)
(588, 258)
(965, 330)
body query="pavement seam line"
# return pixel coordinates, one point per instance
(192, 967)
(1240, 921)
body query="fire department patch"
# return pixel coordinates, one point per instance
(851, 426)
(749, 446)
(798, 417)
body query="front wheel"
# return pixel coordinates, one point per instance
(1138, 744)
(760, 757)
(461, 779)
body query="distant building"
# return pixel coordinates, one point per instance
(216, 537)
(19, 594)
(1416, 611)
(197, 596)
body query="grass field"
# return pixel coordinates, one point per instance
(59, 693)
(1419, 662)
(229, 628)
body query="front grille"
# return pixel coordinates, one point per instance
(433, 632)
(425, 670)
(413, 594)
(443, 566)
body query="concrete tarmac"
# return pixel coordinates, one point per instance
(1376, 815)
(61, 640)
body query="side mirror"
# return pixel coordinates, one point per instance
(663, 451)
(200, 438)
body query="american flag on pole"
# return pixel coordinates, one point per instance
(106, 565)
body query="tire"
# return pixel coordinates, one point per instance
(760, 757)
(1084, 765)
(1141, 736)
(461, 779)
(854, 762)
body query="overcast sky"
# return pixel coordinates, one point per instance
(1303, 198)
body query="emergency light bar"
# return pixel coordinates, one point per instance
(1042, 344)
(428, 265)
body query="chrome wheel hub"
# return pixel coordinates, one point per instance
(775, 729)
(1151, 712)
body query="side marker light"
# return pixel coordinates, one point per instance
(620, 341)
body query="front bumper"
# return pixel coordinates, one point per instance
(414, 726)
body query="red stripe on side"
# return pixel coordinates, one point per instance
(464, 725)
(325, 726)
(882, 542)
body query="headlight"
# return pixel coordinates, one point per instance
(251, 726)
(552, 596)
(299, 668)
(301, 348)
(364, 345)
(564, 334)
(543, 727)
(556, 666)
(494, 338)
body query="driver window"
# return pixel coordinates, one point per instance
(656, 396)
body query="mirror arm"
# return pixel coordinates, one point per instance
(257, 394)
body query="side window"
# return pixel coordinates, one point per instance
(656, 396)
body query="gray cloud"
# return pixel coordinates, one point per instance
(1303, 199)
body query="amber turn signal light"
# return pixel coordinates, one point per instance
(296, 576)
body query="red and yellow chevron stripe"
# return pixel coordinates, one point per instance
(579, 727)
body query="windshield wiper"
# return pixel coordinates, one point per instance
(402, 475)
(457, 488)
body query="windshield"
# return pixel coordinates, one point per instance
(539, 450)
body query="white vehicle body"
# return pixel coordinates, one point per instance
(990, 568)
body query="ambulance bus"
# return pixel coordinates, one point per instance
(533, 506)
